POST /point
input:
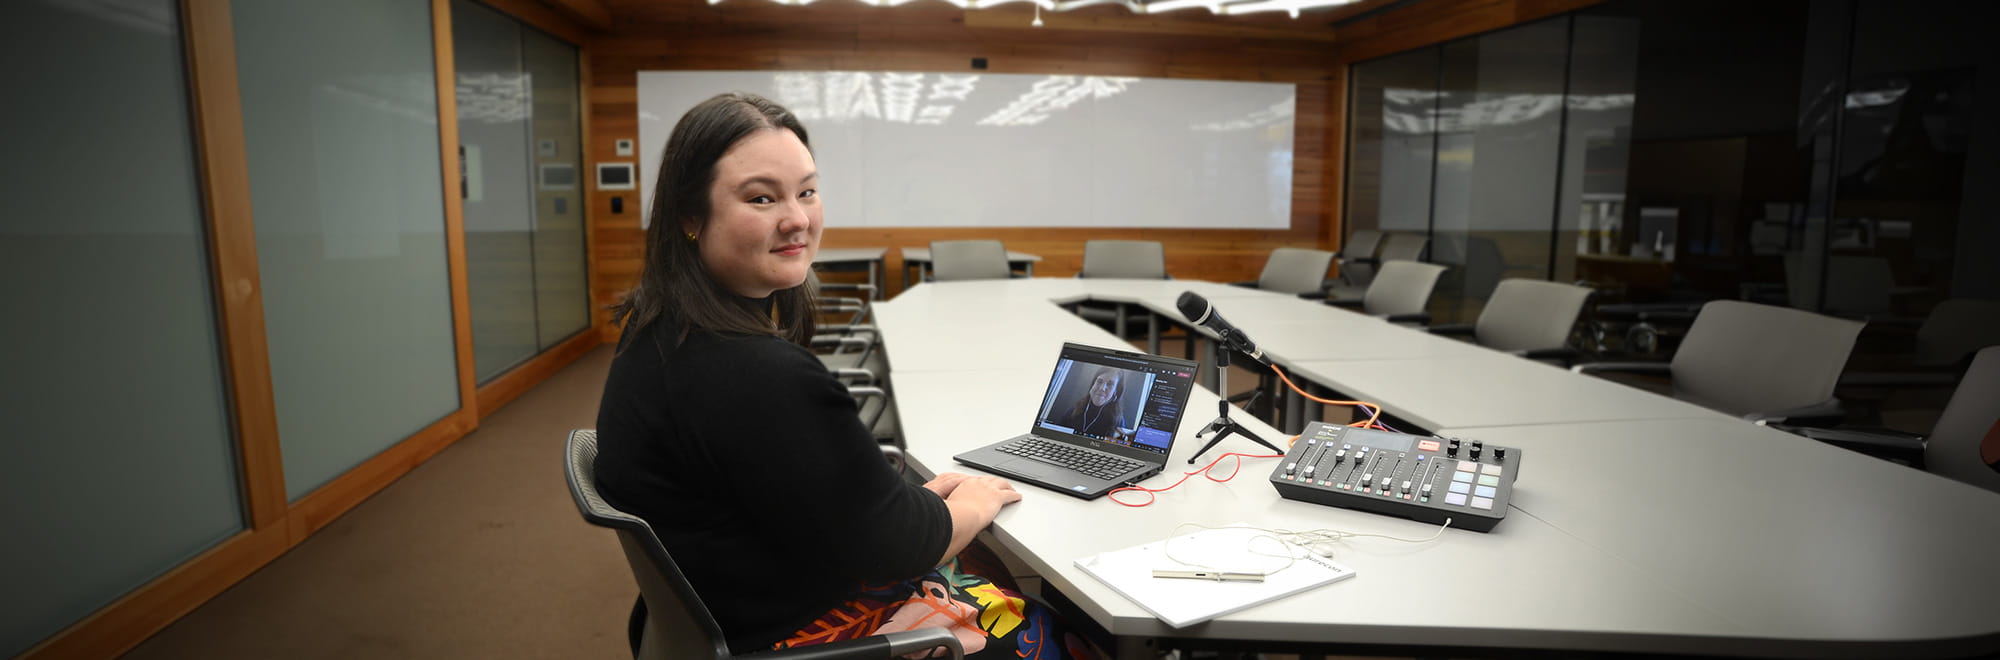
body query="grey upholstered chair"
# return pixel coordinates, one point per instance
(677, 625)
(1529, 318)
(1757, 361)
(1297, 271)
(1132, 260)
(1400, 292)
(953, 261)
(1953, 448)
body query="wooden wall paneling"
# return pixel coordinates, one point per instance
(232, 240)
(1436, 21)
(454, 210)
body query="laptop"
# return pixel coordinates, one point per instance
(1107, 420)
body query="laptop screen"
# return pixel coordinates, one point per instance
(1121, 398)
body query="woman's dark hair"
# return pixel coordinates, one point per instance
(674, 284)
(1117, 392)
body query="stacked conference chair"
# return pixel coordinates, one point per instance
(982, 259)
(849, 346)
(1296, 271)
(1760, 362)
(670, 620)
(1131, 260)
(1529, 318)
(1400, 292)
(1954, 447)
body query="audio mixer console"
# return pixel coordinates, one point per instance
(1418, 477)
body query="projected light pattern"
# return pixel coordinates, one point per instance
(1415, 112)
(493, 98)
(1281, 111)
(1054, 94)
(889, 96)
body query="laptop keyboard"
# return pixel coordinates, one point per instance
(1102, 466)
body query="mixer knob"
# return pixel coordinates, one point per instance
(1452, 450)
(1475, 449)
(1339, 456)
(1406, 486)
(1500, 453)
(1291, 468)
(1309, 472)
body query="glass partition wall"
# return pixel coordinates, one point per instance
(1502, 150)
(519, 138)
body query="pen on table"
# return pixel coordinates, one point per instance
(1218, 576)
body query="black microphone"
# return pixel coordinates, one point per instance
(1197, 309)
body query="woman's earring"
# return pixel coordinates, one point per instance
(690, 237)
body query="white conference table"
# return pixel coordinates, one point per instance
(1638, 524)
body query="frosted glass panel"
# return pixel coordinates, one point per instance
(118, 462)
(340, 118)
(1391, 141)
(493, 109)
(562, 292)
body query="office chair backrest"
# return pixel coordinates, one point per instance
(677, 625)
(1361, 244)
(1966, 441)
(969, 260)
(1136, 260)
(1404, 247)
(1529, 315)
(1957, 328)
(1401, 287)
(1743, 358)
(1295, 270)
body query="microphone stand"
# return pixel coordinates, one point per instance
(1223, 426)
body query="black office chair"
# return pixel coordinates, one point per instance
(1356, 278)
(676, 624)
(1400, 292)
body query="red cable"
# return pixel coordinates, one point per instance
(1150, 492)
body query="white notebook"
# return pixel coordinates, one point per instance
(1182, 602)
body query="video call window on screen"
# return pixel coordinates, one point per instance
(1109, 403)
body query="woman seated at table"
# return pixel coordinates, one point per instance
(724, 433)
(1099, 412)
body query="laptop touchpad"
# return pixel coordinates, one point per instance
(1038, 470)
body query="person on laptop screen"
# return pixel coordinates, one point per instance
(1099, 410)
(720, 430)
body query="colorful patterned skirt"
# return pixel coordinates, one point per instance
(990, 621)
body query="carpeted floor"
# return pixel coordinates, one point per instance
(477, 553)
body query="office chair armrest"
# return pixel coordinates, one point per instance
(1627, 367)
(1419, 318)
(1898, 379)
(1565, 355)
(860, 377)
(1344, 303)
(1824, 413)
(885, 647)
(845, 286)
(846, 329)
(1454, 329)
(840, 342)
(1252, 284)
(1885, 443)
(1321, 294)
(896, 458)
